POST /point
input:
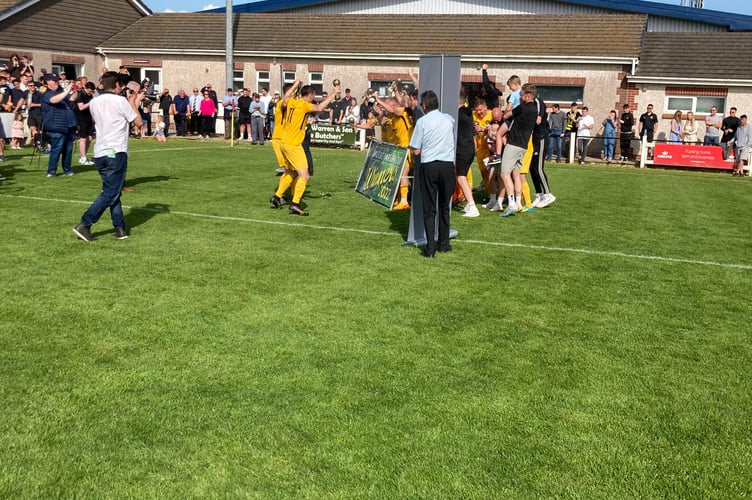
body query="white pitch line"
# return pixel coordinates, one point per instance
(159, 150)
(584, 251)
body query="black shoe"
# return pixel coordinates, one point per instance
(445, 249)
(425, 253)
(120, 233)
(295, 209)
(274, 200)
(84, 232)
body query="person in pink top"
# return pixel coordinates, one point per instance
(208, 111)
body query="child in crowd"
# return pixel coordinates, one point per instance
(159, 130)
(17, 134)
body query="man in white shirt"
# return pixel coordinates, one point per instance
(113, 115)
(584, 124)
(743, 143)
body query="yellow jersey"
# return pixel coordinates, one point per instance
(296, 121)
(481, 143)
(279, 120)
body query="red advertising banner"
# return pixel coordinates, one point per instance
(691, 155)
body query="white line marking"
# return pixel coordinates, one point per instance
(584, 251)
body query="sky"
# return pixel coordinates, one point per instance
(735, 6)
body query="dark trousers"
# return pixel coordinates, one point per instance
(181, 127)
(437, 181)
(61, 146)
(206, 125)
(625, 143)
(166, 117)
(537, 173)
(112, 171)
(195, 123)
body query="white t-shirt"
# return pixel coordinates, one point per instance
(583, 131)
(266, 99)
(112, 115)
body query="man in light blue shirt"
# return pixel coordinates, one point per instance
(433, 139)
(229, 104)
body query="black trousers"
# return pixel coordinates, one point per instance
(437, 182)
(195, 123)
(537, 173)
(625, 143)
(181, 128)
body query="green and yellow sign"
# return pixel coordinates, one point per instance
(380, 177)
(333, 135)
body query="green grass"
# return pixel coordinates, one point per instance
(598, 348)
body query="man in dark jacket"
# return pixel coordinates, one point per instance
(59, 122)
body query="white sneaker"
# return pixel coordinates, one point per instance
(471, 212)
(489, 204)
(496, 207)
(82, 160)
(537, 200)
(547, 200)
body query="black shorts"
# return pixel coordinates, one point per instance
(35, 121)
(85, 128)
(244, 118)
(463, 162)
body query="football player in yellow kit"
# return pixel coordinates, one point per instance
(482, 118)
(279, 126)
(296, 111)
(400, 130)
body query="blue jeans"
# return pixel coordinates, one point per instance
(112, 172)
(555, 139)
(711, 141)
(608, 147)
(61, 144)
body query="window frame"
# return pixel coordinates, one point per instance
(316, 80)
(565, 100)
(261, 81)
(720, 104)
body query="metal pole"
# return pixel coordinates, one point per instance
(229, 66)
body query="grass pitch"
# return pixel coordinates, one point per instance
(598, 348)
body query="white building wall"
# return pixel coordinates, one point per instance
(489, 7)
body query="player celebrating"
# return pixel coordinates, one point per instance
(296, 164)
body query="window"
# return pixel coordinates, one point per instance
(237, 79)
(72, 71)
(697, 104)
(384, 88)
(288, 76)
(262, 80)
(316, 79)
(558, 94)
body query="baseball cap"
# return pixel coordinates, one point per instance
(50, 76)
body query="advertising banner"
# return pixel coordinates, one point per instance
(380, 177)
(690, 155)
(332, 135)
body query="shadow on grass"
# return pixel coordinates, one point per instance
(143, 214)
(143, 180)
(399, 221)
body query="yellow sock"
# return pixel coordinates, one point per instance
(300, 185)
(284, 183)
(470, 178)
(403, 193)
(526, 195)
